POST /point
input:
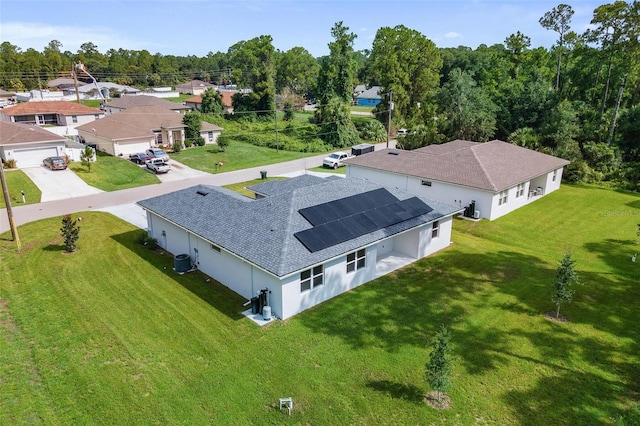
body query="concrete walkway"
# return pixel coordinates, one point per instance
(119, 201)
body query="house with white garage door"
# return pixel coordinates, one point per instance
(137, 129)
(28, 144)
(305, 242)
(487, 180)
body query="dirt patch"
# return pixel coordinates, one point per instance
(551, 316)
(6, 321)
(432, 400)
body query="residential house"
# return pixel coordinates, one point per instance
(226, 97)
(306, 242)
(60, 117)
(369, 97)
(488, 179)
(63, 83)
(28, 144)
(102, 90)
(137, 129)
(121, 104)
(194, 87)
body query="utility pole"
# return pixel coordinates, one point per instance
(7, 201)
(389, 116)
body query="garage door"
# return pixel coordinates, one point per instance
(32, 157)
(133, 147)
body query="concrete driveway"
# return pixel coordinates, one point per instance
(178, 172)
(58, 184)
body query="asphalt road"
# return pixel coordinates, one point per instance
(32, 212)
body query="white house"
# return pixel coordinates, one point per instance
(487, 180)
(28, 144)
(308, 240)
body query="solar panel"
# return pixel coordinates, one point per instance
(337, 209)
(345, 228)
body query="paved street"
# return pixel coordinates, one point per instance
(108, 201)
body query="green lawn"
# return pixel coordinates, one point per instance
(111, 335)
(322, 169)
(237, 156)
(110, 173)
(17, 181)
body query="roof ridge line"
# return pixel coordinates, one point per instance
(484, 171)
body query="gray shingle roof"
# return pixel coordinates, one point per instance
(274, 187)
(492, 166)
(13, 133)
(262, 231)
(145, 100)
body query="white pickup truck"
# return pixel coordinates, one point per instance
(336, 159)
(157, 165)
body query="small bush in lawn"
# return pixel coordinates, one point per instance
(200, 141)
(70, 232)
(188, 143)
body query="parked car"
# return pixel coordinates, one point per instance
(156, 165)
(158, 153)
(336, 159)
(55, 163)
(139, 158)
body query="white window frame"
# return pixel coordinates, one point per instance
(311, 278)
(356, 260)
(503, 197)
(555, 175)
(435, 229)
(520, 190)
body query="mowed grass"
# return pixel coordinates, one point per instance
(110, 334)
(238, 155)
(17, 181)
(111, 173)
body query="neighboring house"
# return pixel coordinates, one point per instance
(28, 144)
(488, 179)
(306, 244)
(137, 129)
(121, 104)
(194, 87)
(63, 83)
(90, 91)
(368, 97)
(63, 116)
(226, 97)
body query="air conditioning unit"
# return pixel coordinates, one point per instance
(476, 214)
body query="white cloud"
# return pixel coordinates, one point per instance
(452, 34)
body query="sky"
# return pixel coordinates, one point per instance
(197, 27)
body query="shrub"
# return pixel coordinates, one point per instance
(177, 146)
(148, 241)
(10, 164)
(200, 141)
(188, 143)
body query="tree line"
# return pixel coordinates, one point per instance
(577, 100)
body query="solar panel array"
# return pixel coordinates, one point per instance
(342, 220)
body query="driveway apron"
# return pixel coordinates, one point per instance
(58, 184)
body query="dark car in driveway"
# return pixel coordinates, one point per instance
(55, 163)
(139, 158)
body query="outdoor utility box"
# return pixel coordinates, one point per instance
(255, 305)
(263, 174)
(363, 148)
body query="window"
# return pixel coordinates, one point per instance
(555, 175)
(435, 229)
(426, 182)
(502, 198)
(311, 278)
(74, 118)
(210, 136)
(520, 190)
(356, 260)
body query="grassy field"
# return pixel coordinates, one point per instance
(112, 173)
(17, 181)
(237, 156)
(110, 334)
